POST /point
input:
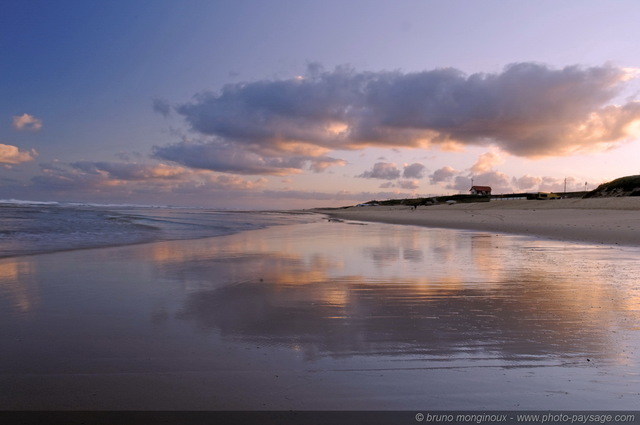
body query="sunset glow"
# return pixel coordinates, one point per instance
(217, 104)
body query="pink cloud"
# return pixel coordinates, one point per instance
(26, 122)
(12, 155)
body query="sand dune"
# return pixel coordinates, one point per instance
(599, 220)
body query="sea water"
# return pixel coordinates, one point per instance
(28, 227)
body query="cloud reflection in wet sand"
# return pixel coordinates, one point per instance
(324, 316)
(391, 290)
(17, 289)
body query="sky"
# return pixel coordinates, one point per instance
(300, 104)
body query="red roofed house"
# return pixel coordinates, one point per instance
(480, 190)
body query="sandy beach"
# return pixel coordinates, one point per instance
(601, 220)
(327, 316)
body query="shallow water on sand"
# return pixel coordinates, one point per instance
(324, 316)
(35, 228)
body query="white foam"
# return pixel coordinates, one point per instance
(25, 202)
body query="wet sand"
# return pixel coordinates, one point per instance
(603, 220)
(326, 316)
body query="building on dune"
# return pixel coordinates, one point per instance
(480, 190)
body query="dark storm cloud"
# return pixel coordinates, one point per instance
(528, 110)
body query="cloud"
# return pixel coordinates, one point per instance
(320, 164)
(502, 183)
(461, 183)
(402, 184)
(413, 171)
(235, 159)
(547, 184)
(26, 122)
(129, 156)
(136, 177)
(162, 107)
(480, 173)
(499, 182)
(226, 182)
(222, 157)
(442, 175)
(130, 171)
(527, 109)
(320, 196)
(527, 182)
(408, 184)
(382, 170)
(486, 162)
(57, 176)
(331, 196)
(11, 155)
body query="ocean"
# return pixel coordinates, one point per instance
(28, 227)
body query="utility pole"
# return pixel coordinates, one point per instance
(565, 185)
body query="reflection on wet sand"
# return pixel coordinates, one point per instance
(323, 316)
(408, 291)
(16, 286)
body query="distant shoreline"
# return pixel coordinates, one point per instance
(613, 221)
